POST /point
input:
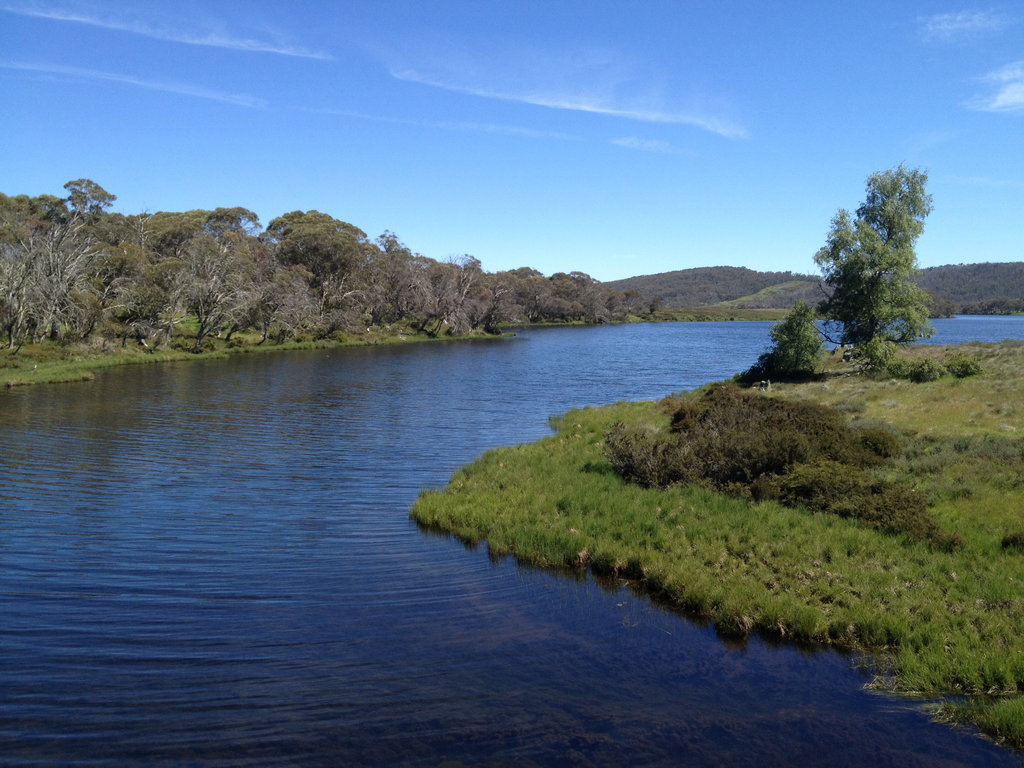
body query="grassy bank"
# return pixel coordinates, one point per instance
(50, 363)
(948, 625)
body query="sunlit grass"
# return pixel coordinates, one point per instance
(936, 623)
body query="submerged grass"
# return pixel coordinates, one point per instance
(936, 623)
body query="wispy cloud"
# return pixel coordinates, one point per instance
(986, 181)
(182, 89)
(447, 125)
(174, 31)
(948, 27)
(647, 145)
(1008, 95)
(590, 82)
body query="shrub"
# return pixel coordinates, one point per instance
(727, 423)
(898, 369)
(838, 489)
(796, 349)
(642, 458)
(926, 370)
(881, 442)
(961, 366)
(794, 452)
(1014, 541)
(877, 353)
(918, 371)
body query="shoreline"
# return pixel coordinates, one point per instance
(80, 364)
(54, 363)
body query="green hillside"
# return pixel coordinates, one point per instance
(705, 286)
(988, 288)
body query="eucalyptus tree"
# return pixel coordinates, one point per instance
(532, 293)
(15, 273)
(581, 297)
(279, 302)
(491, 302)
(592, 297)
(868, 261)
(332, 253)
(450, 285)
(15, 212)
(61, 259)
(214, 281)
(240, 221)
(396, 282)
(46, 254)
(168, 233)
(87, 199)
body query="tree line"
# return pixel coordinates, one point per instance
(72, 270)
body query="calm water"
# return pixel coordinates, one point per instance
(213, 563)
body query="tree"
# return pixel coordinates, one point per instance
(450, 285)
(61, 257)
(87, 198)
(868, 261)
(329, 250)
(396, 281)
(15, 288)
(212, 285)
(796, 348)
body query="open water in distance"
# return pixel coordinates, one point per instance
(213, 563)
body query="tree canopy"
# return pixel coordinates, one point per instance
(868, 261)
(71, 270)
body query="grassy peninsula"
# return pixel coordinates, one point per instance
(945, 623)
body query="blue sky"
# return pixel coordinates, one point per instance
(615, 138)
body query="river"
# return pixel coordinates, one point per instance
(212, 563)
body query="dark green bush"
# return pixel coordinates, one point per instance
(961, 366)
(1014, 541)
(898, 369)
(757, 447)
(917, 371)
(881, 442)
(640, 457)
(926, 370)
(838, 489)
(766, 434)
(796, 349)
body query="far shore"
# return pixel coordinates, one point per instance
(54, 362)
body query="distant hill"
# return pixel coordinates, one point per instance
(736, 286)
(978, 288)
(964, 288)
